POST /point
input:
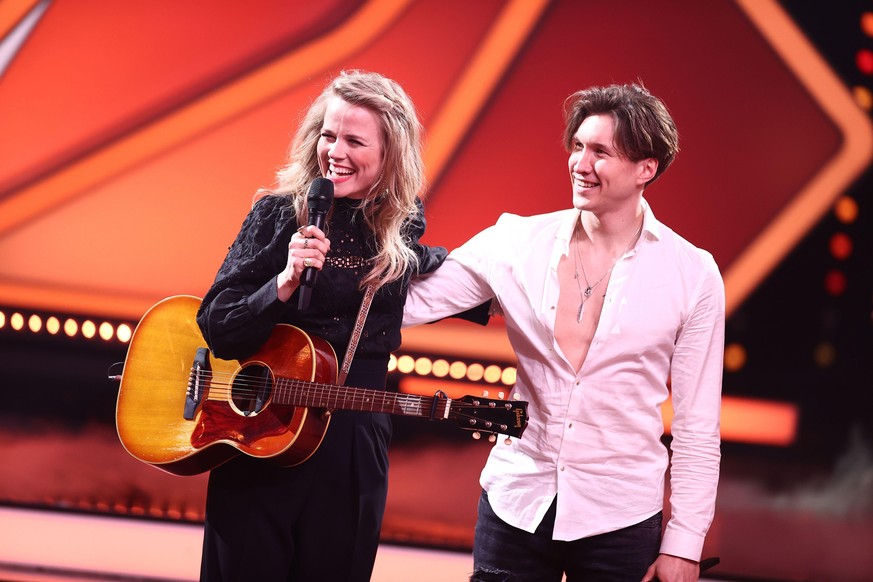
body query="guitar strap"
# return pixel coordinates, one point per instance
(356, 333)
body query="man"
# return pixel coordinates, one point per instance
(609, 312)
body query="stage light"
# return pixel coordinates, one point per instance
(492, 374)
(840, 246)
(423, 366)
(734, 357)
(458, 370)
(835, 283)
(89, 329)
(508, 376)
(405, 364)
(16, 321)
(846, 210)
(864, 61)
(71, 327)
(440, 368)
(863, 97)
(106, 331)
(824, 355)
(475, 372)
(53, 325)
(124, 333)
(34, 323)
(867, 23)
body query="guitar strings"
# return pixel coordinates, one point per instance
(225, 384)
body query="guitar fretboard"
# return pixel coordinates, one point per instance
(293, 392)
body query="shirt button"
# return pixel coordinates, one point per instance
(562, 467)
(570, 425)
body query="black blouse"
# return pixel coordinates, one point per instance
(241, 308)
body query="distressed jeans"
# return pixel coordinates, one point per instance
(502, 553)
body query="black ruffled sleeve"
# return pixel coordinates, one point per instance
(240, 310)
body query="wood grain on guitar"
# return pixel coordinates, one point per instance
(184, 411)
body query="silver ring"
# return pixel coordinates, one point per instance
(307, 262)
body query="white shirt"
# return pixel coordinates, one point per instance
(594, 437)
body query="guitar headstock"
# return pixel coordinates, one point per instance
(487, 415)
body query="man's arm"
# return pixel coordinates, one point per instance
(696, 378)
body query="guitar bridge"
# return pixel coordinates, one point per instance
(194, 391)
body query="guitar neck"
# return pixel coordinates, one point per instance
(289, 391)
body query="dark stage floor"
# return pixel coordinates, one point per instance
(71, 495)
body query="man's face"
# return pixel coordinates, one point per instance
(602, 178)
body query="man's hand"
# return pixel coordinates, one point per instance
(672, 569)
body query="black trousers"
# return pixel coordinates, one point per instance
(317, 521)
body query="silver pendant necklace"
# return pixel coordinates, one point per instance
(589, 287)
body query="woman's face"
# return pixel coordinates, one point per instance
(350, 148)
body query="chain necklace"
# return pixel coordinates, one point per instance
(589, 287)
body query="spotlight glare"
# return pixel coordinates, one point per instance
(440, 368)
(423, 366)
(840, 246)
(475, 372)
(124, 333)
(34, 323)
(835, 283)
(106, 331)
(71, 328)
(405, 364)
(492, 374)
(509, 375)
(846, 209)
(824, 355)
(89, 329)
(863, 97)
(458, 370)
(867, 23)
(734, 357)
(864, 61)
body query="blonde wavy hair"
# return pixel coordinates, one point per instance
(390, 202)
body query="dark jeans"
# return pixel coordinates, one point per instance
(502, 553)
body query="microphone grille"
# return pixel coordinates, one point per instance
(320, 195)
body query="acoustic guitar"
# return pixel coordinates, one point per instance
(182, 410)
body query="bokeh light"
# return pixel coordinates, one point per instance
(840, 246)
(835, 282)
(734, 357)
(864, 61)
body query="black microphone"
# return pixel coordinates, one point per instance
(319, 201)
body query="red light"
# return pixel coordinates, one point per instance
(841, 246)
(835, 283)
(864, 61)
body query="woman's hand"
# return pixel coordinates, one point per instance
(308, 248)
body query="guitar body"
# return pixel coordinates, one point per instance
(229, 418)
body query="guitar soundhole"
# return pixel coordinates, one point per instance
(251, 389)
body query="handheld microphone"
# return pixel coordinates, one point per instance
(318, 200)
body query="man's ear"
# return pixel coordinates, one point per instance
(647, 169)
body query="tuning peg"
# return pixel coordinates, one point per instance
(484, 394)
(501, 395)
(477, 435)
(507, 441)
(492, 438)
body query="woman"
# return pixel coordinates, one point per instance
(320, 520)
